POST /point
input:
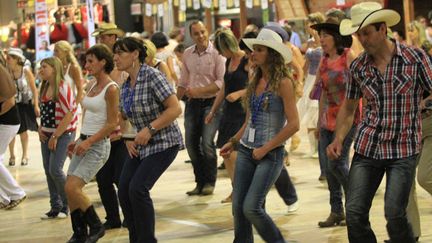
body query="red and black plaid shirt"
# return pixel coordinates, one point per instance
(391, 125)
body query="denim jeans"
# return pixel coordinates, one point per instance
(109, 175)
(336, 170)
(253, 180)
(53, 162)
(199, 137)
(137, 179)
(285, 187)
(364, 178)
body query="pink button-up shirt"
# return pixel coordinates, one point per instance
(202, 69)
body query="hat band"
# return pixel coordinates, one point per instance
(364, 19)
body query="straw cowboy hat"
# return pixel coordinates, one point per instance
(272, 40)
(366, 13)
(16, 52)
(108, 29)
(333, 27)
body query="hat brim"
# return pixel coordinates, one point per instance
(117, 32)
(279, 47)
(20, 56)
(390, 17)
(325, 26)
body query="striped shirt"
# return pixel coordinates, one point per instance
(391, 125)
(65, 103)
(144, 103)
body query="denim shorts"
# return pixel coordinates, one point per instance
(87, 165)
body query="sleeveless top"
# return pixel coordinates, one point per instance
(11, 117)
(313, 55)
(24, 93)
(96, 111)
(334, 76)
(69, 80)
(270, 119)
(235, 81)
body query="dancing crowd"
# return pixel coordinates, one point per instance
(358, 84)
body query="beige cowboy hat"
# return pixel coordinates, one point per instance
(366, 13)
(270, 39)
(108, 29)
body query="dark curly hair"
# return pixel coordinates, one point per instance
(130, 44)
(102, 52)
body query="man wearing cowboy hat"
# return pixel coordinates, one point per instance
(391, 77)
(108, 175)
(107, 34)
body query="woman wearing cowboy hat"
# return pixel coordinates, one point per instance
(333, 75)
(271, 118)
(391, 77)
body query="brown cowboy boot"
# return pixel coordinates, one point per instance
(332, 220)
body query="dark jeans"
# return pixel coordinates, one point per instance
(364, 178)
(53, 162)
(285, 187)
(109, 175)
(336, 170)
(253, 180)
(136, 181)
(199, 138)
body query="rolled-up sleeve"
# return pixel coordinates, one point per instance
(184, 78)
(220, 70)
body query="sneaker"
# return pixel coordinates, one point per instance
(52, 214)
(293, 207)
(62, 215)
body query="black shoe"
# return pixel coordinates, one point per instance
(96, 227)
(196, 191)
(111, 225)
(221, 166)
(389, 241)
(207, 189)
(188, 161)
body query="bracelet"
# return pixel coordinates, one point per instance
(53, 136)
(234, 141)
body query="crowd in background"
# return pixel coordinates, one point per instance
(113, 108)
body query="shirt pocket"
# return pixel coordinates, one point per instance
(402, 83)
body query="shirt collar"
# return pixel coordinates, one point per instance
(208, 49)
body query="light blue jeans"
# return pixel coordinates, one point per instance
(53, 162)
(253, 180)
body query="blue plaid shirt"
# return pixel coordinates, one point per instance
(144, 103)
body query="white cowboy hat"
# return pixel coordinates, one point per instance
(272, 40)
(16, 52)
(108, 29)
(366, 13)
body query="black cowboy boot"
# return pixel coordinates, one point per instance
(97, 229)
(79, 227)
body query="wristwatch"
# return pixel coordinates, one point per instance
(151, 129)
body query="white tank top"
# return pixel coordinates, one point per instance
(68, 79)
(95, 115)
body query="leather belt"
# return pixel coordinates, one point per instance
(84, 137)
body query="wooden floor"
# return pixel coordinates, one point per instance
(181, 218)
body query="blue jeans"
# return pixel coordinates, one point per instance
(364, 178)
(53, 162)
(336, 170)
(285, 187)
(199, 137)
(253, 180)
(137, 179)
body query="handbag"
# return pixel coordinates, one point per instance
(315, 93)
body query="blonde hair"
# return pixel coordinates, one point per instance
(150, 50)
(225, 41)
(420, 30)
(277, 72)
(57, 65)
(316, 18)
(67, 48)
